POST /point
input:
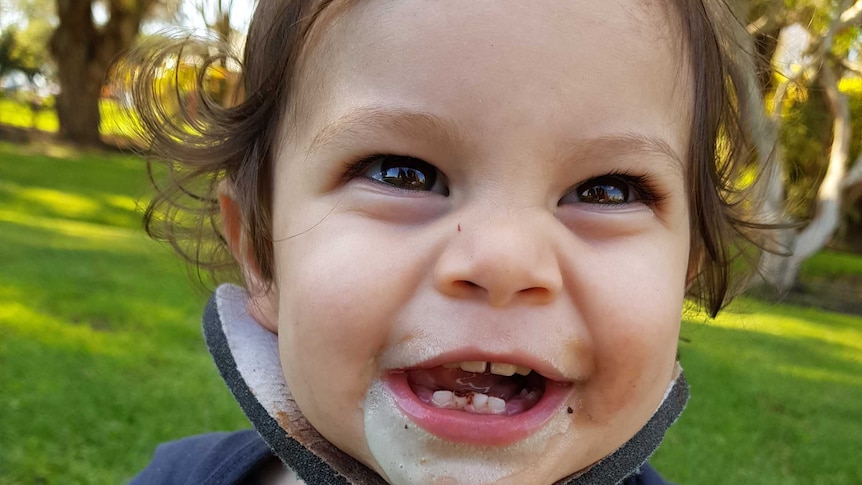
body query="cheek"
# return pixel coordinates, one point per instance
(338, 307)
(635, 330)
(332, 314)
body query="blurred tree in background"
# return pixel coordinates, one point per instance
(23, 47)
(796, 96)
(83, 49)
(216, 14)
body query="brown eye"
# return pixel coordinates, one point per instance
(406, 173)
(604, 190)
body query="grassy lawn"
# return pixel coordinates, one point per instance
(100, 350)
(101, 356)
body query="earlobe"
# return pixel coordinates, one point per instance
(231, 219)
(262, 303)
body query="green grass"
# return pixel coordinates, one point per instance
(101, 357)
(776, 398)
(832, 264)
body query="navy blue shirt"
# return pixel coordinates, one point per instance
(234, 458)
(211, 459)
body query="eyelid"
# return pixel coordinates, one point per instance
(355, 167)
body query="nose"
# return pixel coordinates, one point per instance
(505, 260)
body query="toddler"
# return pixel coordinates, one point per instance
(464, 231)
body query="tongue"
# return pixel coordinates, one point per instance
(460, 381)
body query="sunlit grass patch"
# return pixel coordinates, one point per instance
(117, 120)
(18, 114)
(807, 324)
(776, 398)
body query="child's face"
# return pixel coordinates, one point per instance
(529, 210)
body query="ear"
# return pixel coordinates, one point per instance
(262, 303)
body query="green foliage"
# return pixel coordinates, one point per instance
(806, 135)
(852, 87)
(16, 57)
(24, 45)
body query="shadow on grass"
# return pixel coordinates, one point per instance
(98, 188)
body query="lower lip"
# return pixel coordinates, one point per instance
(477, 429)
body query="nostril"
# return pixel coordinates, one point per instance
(532, 295)
(465, 285)
(537, 294)
(465, 289)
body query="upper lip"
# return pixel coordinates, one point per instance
(539, 365)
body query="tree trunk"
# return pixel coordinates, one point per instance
(72, 46)
(83, 54)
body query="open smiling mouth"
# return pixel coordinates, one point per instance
(479, 403)
(478, 387)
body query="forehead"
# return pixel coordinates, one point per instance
(535, 62)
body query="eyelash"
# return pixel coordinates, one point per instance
(644, 187)
(356, 167)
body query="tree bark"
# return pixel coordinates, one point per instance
(83, 54)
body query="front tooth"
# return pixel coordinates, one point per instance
(473, 366)
(480, 401)
(460, 401)
(521, 370)
(496, 405)
(442, 399)
(503, 369)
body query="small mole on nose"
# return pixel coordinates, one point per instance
(570, 410)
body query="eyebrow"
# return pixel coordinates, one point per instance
(357, 123)
(622, 144)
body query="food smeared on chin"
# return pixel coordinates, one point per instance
(478, 387)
